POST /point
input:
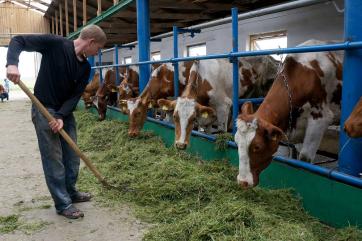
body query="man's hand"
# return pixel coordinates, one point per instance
(56, 125)
(13, 74)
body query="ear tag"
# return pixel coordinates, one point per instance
(114, 90)
(205, 115)
(164, 107)
(150, 105)
(274, 138)
(124, 109)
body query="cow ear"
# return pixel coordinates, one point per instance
(247, 108)
(275, 134)
(166, 105)
(206, 113)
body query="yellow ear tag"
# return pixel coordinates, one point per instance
(205, 115)
(124, 109)
(150, 105)
(114, 90)
(164, 107)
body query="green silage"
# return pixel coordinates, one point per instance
(186, 198)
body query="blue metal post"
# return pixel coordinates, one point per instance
(143, 35)
(100, 63)
(175, 64)
(350, 157)
(91, 62)
(234, 13)
(116, 61)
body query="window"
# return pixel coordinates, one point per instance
(196, 50)
(156, 56)
(272, 40)
(128, 60)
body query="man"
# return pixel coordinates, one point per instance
(3, 93)
(62, 78)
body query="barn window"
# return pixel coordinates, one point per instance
(272, 40)
(196, 50)
(128, 60)
(156, 56)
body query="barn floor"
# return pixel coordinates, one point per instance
(24, 193)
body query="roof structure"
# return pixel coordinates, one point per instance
(119, 20)
(39, 6)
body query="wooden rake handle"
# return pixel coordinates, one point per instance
(64, 134)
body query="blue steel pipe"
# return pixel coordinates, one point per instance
(143, 36)
(100, 69)
(351, 152)
(329, 173)
(175, 64)
(234, 60)
(91, 62)
(252, 100)
(304, 49)
(116, 60)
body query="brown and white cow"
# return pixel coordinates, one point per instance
(106, 93)
(160, 85)
(91, 90)
(128, 87)
(353, 125)
(210, 85)
(315, 82)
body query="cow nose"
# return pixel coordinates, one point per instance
(244, 184)
(181, 146)
(101, 117)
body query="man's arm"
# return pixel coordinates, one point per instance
(69, 105)
(36, 43)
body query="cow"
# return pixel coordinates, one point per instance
(106, 93)
(128, 87)
(208, 94)
(160, 85)
(353, 125)
(302, 102)
(91, 90)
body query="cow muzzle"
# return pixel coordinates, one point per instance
(133, 133)
(180, 145)
(245, 184)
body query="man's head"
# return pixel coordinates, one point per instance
(94, 39)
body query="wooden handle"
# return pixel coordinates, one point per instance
(66, 137)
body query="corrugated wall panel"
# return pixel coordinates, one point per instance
(16, 19)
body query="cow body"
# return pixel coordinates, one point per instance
(314, 82)
(353, 125)
(161, 85)
(208, 94)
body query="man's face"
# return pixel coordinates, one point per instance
(93, 48)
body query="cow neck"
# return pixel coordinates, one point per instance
(276, 106)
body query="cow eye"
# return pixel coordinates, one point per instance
(256, 148)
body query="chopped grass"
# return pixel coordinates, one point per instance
(188, 199)
(9, 223)
(222, 139)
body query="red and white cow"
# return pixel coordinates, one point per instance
(106, 93)
(160, 85)
(208, 94)
(91, 90)
(314, 82)
(353, 125)
(128, 87)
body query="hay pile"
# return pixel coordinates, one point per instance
(186, 198)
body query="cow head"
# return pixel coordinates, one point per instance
(136, 109)
(257, 141)
(185, 112)
(88, 99)
(353, 125)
